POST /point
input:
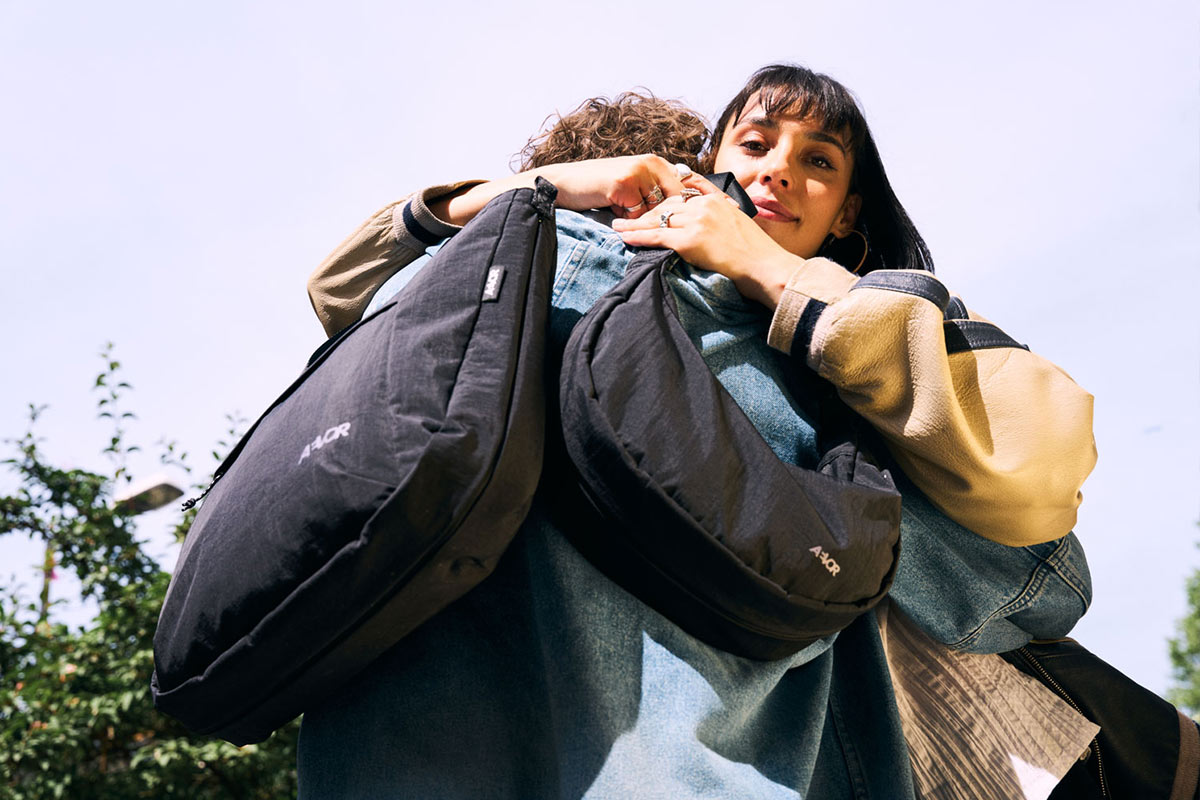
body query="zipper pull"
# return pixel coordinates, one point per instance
(190, 503)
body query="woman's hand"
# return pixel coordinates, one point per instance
(711, 232)
(625, 184)
(629, 185)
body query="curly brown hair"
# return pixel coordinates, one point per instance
(629, 124)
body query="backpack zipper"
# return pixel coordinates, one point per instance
(1094, 744)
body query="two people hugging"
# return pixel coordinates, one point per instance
(549, 680)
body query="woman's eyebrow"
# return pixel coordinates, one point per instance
(770, 123)
(761, 121)
(828, 138)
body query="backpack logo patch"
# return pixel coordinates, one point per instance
(491, 289)
(333, 434)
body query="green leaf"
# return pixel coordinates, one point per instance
(76, 717)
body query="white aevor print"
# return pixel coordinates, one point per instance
(826, 560)
(336, 432)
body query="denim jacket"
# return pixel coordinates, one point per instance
(549, 681)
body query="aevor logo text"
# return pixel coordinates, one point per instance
(334, 433)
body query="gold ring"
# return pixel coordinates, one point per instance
(664, 220)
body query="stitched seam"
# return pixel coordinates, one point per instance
(565, 276)
(1021, 601)
(964, 335)
(1059, 564)
(1072, 577)
(1053, 565)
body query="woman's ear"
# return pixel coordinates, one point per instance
(847, 216)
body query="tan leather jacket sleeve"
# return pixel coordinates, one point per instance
(342, 286)
(999, 438)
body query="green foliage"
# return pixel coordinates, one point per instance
(1185, 654)
(76, 716)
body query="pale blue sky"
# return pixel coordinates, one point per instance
(171, 173)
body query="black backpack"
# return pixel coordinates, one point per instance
(691, 511)
(381, 486)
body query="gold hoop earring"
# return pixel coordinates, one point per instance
(831, 249)
(866, 249)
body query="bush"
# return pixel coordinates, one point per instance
(1185, 654)
(76, 717)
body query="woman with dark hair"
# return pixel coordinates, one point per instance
(800, 93)
(550, 681)
(999, 438)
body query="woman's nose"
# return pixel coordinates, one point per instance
(775, 170)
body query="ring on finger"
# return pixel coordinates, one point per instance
(664, 220)
(631, 209)
(683, 170)
(688, 194)
(656, 195)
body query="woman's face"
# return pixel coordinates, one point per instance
(797, 174)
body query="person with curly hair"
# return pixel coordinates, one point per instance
(365, 270)
(629, 124)
(548, 680)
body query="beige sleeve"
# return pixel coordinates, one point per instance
(343, 285)
(999, 438)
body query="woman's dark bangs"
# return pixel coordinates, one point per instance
(818, 98)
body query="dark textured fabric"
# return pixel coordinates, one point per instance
(956, 309)
(974, 334)
(382, 485)
(920, 284)
(713, 530)
(1140, 751)
(727, 183)
(805, 326)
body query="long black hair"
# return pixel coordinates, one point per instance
(797, 91)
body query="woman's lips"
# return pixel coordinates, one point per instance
(773, 210)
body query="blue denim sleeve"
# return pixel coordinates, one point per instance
(975, 595)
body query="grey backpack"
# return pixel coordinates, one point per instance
(381, 486)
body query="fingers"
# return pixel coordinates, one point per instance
(650, 232)
(702, 184)
(706, 187)
(688, 225)
(667, 176)
(651, 217)
(652, 179)
(689, 188)
(662, 226)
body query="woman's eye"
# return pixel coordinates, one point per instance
(822, 162)
(753, 146)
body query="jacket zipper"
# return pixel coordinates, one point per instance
(1094, 744)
